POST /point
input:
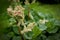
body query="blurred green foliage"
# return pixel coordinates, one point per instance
(3, 16)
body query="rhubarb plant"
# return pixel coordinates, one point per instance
(28, 24)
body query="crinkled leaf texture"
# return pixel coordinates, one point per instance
(36, 32)
(15, 29)
(16, 38)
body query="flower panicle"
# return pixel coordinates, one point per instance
(17, 11)
(28, 28)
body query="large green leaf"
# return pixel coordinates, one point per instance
(15, 29)
(16, 38)
(12, 21)
(28, 35)
(10, 34)
(53, 30)
(42, 27)
(36, 32)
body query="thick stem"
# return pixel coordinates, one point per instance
(19, 29)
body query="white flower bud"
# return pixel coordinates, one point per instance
(31, 25)
(9, 9)
(43, 21)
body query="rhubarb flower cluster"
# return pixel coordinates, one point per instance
(29, 27)
(16, 11)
